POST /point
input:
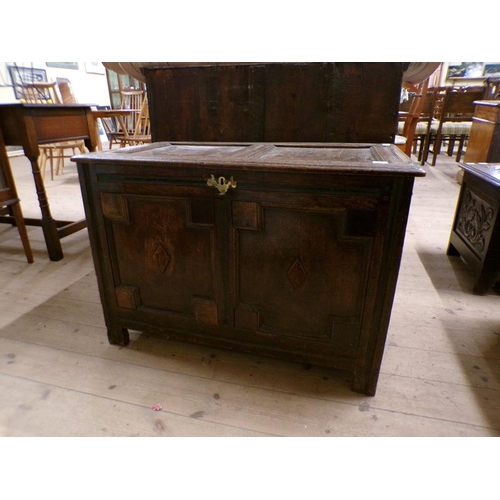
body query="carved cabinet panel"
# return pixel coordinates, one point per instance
(285, 250)
(475, 234)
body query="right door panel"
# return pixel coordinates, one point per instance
(301, 271)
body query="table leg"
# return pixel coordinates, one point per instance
(49, 226)
(17, 213)
(92, 146)
(93, 141)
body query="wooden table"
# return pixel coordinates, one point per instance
(29, 125)
(475, 234)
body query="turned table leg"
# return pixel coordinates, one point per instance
(49, 225)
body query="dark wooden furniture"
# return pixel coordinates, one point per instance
(269, 102)
(475, 234)
(9, 200)
(29, 125)
(283, 250)
(484, 140)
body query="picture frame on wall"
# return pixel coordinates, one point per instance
(492, 70)
(65, 65)
(465, 70)
(22, 75)
(456, 70)
(473, 70)
(96, 68)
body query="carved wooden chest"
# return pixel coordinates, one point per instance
(475, 234)
(288, 250)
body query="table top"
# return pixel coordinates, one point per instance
(28, 124)
(489, 172)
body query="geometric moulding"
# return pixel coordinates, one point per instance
(296, 274)
(160, 259)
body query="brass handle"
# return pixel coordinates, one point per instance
(221, 184)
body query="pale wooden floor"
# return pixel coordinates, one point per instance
(60, 377)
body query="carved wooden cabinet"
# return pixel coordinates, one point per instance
(288, 250)
(475, 233)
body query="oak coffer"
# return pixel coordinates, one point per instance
(289, 250)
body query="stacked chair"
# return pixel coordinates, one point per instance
(141, 133)
(132, 101)
(450, 121)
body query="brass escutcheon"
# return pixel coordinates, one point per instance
(221, 184)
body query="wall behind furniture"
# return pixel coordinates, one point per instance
(87, 79)
(473, 79)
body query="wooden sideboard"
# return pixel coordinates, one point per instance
(271, 102)
(484, 140)
(288, 250)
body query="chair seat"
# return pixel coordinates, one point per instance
(453, 128)
(57, 151)
(421, 128)
(138, 139)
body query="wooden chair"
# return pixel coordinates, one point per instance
(58, 152)
(131, 100)
(66, 91)
(41, 93)
(9, 201)
(112, 128)
(411, 118)
(49, 93)
(433, 99)
(142, 128)
(452, 120)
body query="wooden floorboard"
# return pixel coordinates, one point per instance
(60, 377)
